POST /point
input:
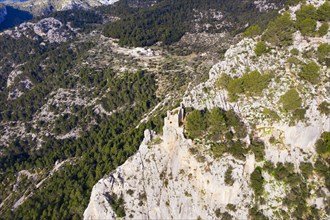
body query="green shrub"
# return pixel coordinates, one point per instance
(306, 169)
(306, 11)
(233, 121)
(323, 52)
(272, 140)
(307, 26)
(231, 207)
(235, 87)
(223, 81)
(324, 108)
(229, 135)
(217, 213)
(226, 216)
(323, 145)
(294, 179)
(323, 170)
(310, 72)
(254, 83)
(256, 214)
(282, 171)
(237, 149)
(257, 181)
(218, 150)
(271, 114)
(258, 148)
(294, 60)
(196, 124)
(279, 32)
(323, 29)
(252, 31)
(291, 100)
(228, 176)
(261, 48)
(216, 123)
(294, 52)
(323, 12)
(251, 84)
(117, 204)
(298, 115)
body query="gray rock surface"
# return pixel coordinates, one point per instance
(163, 180)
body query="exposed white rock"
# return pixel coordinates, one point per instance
(165, 181)
(273, 199)
(264, 5)
(9, 131)
(49, 29)
(12, 76)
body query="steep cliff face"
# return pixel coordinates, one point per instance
(3, 13)
(163, 180)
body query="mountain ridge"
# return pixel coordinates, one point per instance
(171, 175)
(75, 102)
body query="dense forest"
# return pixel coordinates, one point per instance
(100, 148)
(101, 145)
(168, 20)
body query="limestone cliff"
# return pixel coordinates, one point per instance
(164, 181)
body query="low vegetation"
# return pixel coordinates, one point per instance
(257, 182)
(228, 176)
(279, 32)
(310, 72)
(261, 48)
(291, 100)
(214, 124)
(324, 108)
(117, 204)
(252, 31)
(250, 84)
(323, 53)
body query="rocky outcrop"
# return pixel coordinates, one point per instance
(48, 29)
(163, 180)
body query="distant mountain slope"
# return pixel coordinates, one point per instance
(169, 20)
(3, 13)
(14, 17)
(43, 7)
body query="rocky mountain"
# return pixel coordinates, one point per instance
(3, 13)
(174, 177)
(80, 90)
(40, 7)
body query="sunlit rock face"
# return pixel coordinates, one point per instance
(163, 180)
